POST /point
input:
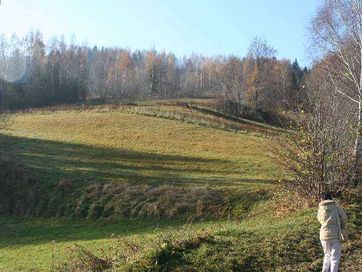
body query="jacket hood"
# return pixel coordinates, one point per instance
(328, 204)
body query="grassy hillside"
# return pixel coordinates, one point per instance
(116, 146)
(123, 181)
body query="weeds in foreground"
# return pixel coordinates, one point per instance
(162, 254)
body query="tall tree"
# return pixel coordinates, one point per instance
(337, 34)
(259, 54)
(151, 72)
(232, 79)
(297, 75)
(316, 153)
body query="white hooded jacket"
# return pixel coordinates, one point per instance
(327, 217)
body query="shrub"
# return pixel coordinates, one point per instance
(79, 259)
(18, 191)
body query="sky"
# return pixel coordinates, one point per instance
(207, 27)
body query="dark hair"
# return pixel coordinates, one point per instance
(326, 196)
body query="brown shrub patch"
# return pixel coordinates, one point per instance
(111, 200)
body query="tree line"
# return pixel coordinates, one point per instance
(34, 73)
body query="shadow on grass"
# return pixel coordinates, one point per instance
(20, 231)
(51, 161)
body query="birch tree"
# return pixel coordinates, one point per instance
(337, 36)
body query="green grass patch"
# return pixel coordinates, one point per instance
(255, 244)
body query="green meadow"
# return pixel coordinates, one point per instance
(210, 194)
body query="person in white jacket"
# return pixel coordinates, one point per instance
(332, 219)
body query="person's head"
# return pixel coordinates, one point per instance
(326, 196)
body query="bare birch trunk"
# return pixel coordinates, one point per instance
(358, 149)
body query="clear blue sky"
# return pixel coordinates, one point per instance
(208, 27)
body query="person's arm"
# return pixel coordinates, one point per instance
(343, 217)
(319, 216)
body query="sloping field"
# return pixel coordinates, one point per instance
(105, 145)
(123, 181)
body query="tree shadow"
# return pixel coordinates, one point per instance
(52, 161)
(22, 231)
